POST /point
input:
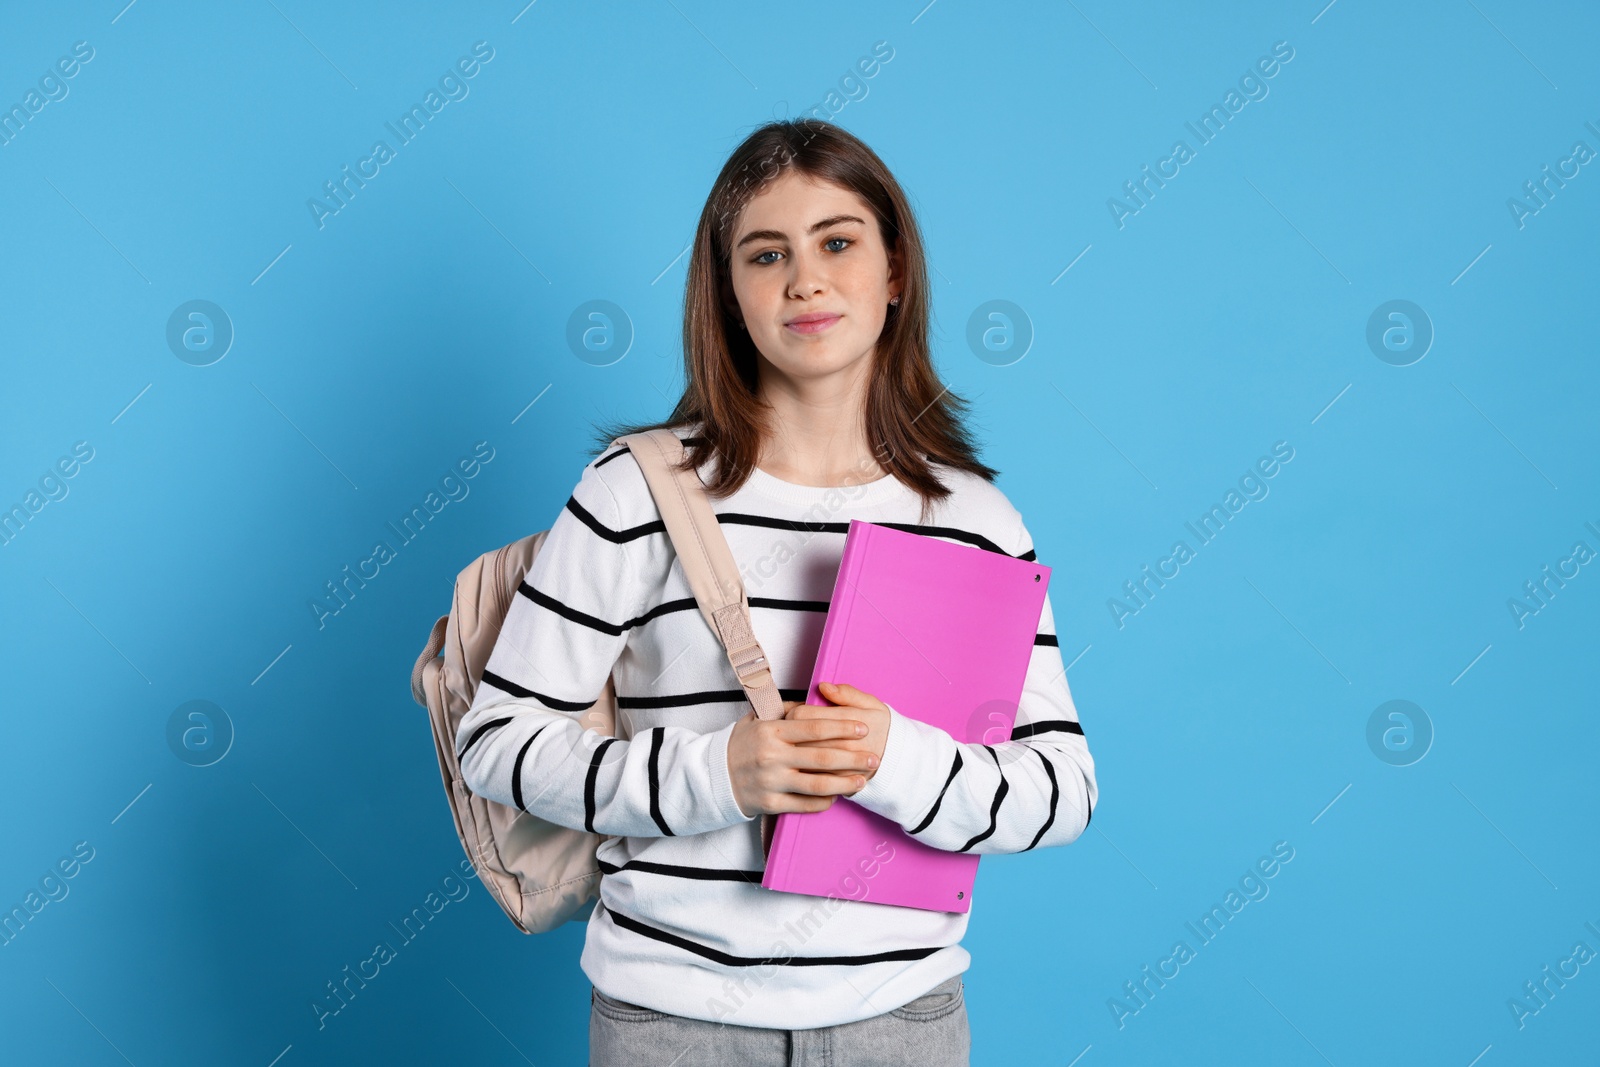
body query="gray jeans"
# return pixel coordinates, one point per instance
(930, 1031)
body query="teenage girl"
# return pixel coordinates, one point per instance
(810, 400)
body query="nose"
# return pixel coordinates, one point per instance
(805, 277)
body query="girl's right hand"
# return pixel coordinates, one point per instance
(771, 773)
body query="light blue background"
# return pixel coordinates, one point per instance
(1228, 314)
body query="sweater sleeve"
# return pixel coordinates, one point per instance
(524, 741)
(1034, 787)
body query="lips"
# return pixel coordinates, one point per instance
(814, 322)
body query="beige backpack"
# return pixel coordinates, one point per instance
(544, 874)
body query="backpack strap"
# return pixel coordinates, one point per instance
(707, 561)
(435, 643)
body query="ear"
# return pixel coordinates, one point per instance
(897, 281)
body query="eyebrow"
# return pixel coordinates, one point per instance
(778, 235)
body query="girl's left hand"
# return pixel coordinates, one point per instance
(863, 707)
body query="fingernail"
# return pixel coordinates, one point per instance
(861, 729)
(872, 761)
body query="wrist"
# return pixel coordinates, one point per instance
(908, 774)
(722, 779)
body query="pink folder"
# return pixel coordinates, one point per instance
(942, 632)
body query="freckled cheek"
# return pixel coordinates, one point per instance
(861, 290)
(759, 299)
(865, 315)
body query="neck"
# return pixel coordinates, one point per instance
(818, 429)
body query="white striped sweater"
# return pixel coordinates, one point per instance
(683, 924)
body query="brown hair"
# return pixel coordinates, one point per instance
(911, 417)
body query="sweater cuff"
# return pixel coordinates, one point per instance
(909, 777)
(721, 781)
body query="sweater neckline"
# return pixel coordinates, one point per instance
(873, 492)
(774, 488)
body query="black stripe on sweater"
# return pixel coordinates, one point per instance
(928, 818)
(628, 923)
(709, 696)
(796, 525)
(687, 441)
(479, 732)
(616, 537)
(674, 870)
(1048, 726)
(505, 685)
(589, 782)
(739, 518)
(1046, 639)
(655, 782)
(573, 614)
(516, 769)
(780, 604)
(687, 603)
(804, 526)
(664, 608)
(994, 808)
(1055, 794)
(546, 600)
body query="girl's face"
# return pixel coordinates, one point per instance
(812, 278)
